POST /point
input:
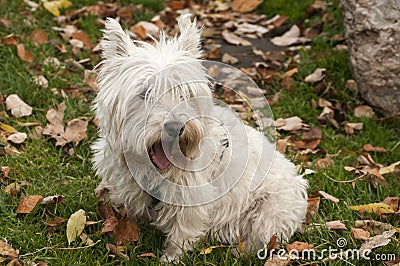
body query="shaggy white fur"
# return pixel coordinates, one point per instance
(161, 136)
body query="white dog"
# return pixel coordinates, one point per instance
(162, 137)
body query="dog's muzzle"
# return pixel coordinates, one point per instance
(174, 128)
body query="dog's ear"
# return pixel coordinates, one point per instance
(115, 41)
(189, 39)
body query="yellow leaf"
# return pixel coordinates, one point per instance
(210, 249)
(389, 169)
(8, 129)
(378, 208)
(75, 225)
(54, 6)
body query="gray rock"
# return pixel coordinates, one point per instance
(372, 30)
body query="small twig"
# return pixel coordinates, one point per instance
(47, 248)
(343, 181)
(395, 146)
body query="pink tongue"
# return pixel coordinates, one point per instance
(158, 157)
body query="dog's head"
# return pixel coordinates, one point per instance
(154, 99)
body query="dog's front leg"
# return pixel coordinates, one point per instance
(183, 227)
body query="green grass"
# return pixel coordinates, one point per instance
(51, 170)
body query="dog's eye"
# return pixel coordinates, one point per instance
(142, 94)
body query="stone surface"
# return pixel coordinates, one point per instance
(372, 30)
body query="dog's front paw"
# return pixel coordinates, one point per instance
(171, 259)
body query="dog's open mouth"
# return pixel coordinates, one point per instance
(158, 156)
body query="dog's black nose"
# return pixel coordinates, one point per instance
(174, 128)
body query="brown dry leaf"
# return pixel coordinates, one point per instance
(38, 37)
(351, 127)
(139, 31)
(335, 225)
(17, 138)
(5, 170)
(5, 23)
(147, 255)
(369, 147)
(377, 241)
(109, 225)
(90, 78)
(364, 111)
(316, 76)
(291, 124)
(360, 234)
(324, 103)
(375, 226)
(232, 38)
(229, 59)
(148, 28)
(299, 246)
(54, 221)
(292, 36)
(244, 6)
(24, 54)
(312, 134)
(75, 225)
(307, 145)
(113, 249)
(290, 72)
(312, 209)
(7, 251)
(28, 203)
(392, 202)
(13, 189)
(328, 196)
(53, 199)
(125, 232)
(83, 37)
(75, 130)
(9, 40)
(323, 163)
(281, 145)
(17, 106)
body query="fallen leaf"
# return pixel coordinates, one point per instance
(389, 169)
(8, 128)
(244, 6)
(312, 134)
(368, 147)
(229, 59)
(41, 81)
(52, 200)
(38, 37)
(7, 251)
(113, 249)
(328, 196)
(75, 225)
(147, 255)
(9, 40)
(290, 37)
(17, 106)
(75, 131)
(375, 226)
(232, 38)
(145, 28)
(125, 232)
(364, 111)
(17, 138)
(335, 225)
(54, 221)
(316, 76)
(377, 208)
(351, 127)
(290, 124)
(312, 209)
(54, 6)
(24, 54)
(28, 203)
(327, 115)
(299, 246)
(5, 170)
(281, 145)
(83, 37)
(392, 202)
(279, 260)
(13, 189)
(360, 234)
(376, 241)
(307, 145)
(323, 163)
(210, 249)
(324, 103)
(109, 224)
